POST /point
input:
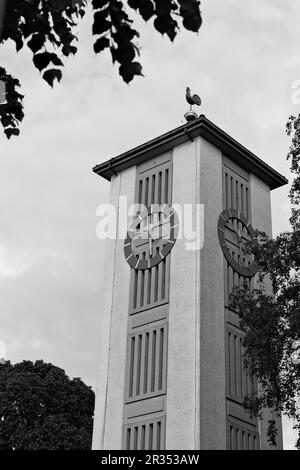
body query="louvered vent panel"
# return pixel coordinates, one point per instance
(146, 368)
(154, 185)
(240, 436)
(239, 383)
(150, 286)
(145, 435)
(236, 192)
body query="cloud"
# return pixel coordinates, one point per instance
(2, 350)
(14, 264)
(290, 434)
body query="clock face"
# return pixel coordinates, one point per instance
(234, 231)
(151, 236)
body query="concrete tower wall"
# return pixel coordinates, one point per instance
(109, 405)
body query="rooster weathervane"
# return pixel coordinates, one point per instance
(191, 115)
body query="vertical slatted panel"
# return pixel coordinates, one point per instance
(147, 363)
(241, 436)
(145, 435)
(239, 382)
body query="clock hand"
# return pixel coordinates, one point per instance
(139, 232)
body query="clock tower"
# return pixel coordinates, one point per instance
(171, 374)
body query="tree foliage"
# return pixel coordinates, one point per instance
(48, 29)
(42, 409)
(272, 322)
(11, 112)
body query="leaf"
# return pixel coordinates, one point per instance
(128, 71)
(67, 50)
(124, 54)
(59, 5)
(190, 11)
(101, 44)
(18, 111)
(42, 60)
(19, 42)
(124, 33)
(166, 25)
(146, 9)
(36, 42)
(134, 4)
(51, 75)
(61, 28)
(99, 4)
(101, 23)
(11, 131)
(80, 3)
(6, 120)
(56, 60)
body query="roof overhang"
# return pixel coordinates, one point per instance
(200, 127)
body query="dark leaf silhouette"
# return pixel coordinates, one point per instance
(6, 120)
(59, 5)
(42, 60)
(67, 50)
(166, 27)
(101, 21)
(190, 12)
(145, 8)
(19, 41)
(128, 71)
(9, 131)
(36, 42)
(51, 75)
(99, 3)
(56, 60)
(134, 3)
(101, 44)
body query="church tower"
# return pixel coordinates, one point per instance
(170, 366)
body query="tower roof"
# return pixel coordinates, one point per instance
(200, 127)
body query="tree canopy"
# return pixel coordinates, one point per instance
(42, 409)
(272, 322)
(48, 29)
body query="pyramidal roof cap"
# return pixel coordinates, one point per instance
(189, 131)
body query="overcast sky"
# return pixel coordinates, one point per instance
(242, 63)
